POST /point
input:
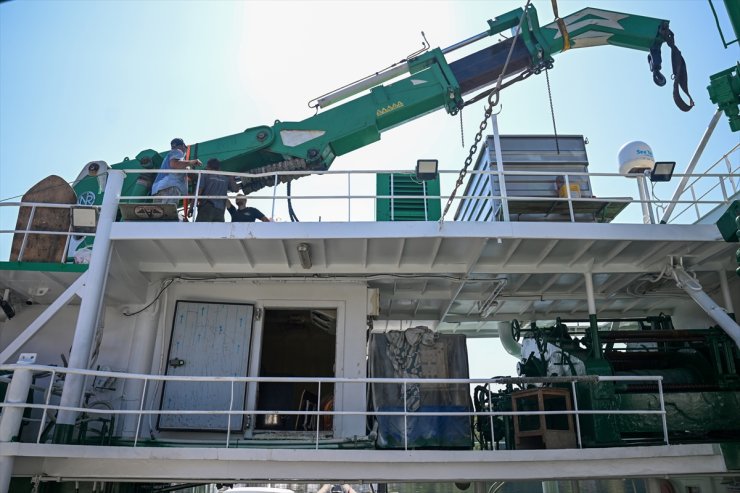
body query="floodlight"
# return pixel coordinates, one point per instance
(426, 169)
(663, 171)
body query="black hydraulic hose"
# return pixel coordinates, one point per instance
(291, 212)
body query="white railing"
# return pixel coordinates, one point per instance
(56, 375)
(716, 184)
(29, 227)
(724, 181)
(706, 191)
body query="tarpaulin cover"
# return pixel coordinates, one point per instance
(420, 353)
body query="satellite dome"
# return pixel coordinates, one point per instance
(634, 158)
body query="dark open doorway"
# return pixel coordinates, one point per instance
(296, 342)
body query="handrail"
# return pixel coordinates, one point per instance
(732, 175)
(725, 185)
(140, 411)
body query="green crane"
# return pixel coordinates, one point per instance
(432, 82)
(724, 86)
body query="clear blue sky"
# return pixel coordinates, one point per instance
(85, 80)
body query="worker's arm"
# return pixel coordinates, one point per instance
(184, 163)
(262, 217)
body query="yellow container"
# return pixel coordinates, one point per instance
(575, 191)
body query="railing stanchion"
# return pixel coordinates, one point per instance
(405, 421)
(318, 414)
(662, 410)
(349, 197)
(195, 200)
(490, 409)
(578, 416)
(46, 405)
(66, 244)
(500, 169)
(570, 198)
(725, 199)
(693, 199)
(732, 178)
(274, 191)
(25, 234)
(392, 198)
(228, 420)
(141, 409)
(426, 201)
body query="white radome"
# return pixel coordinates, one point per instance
(635, 158)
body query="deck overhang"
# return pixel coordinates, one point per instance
(70, 462)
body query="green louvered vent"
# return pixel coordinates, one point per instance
(407, 209)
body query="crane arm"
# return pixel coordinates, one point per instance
(432, 83)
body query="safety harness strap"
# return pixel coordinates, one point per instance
(561, 26)
(680, 74)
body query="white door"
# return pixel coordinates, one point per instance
(208, 339)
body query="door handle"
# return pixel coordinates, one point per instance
(175, 362)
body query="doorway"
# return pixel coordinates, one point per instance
(296, 342)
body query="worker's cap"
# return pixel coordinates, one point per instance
(177, 142)
(213, 163)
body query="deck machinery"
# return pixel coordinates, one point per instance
(700, 382)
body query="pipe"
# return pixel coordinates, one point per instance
(140, 358)
(90, 307)
(10, 420)
(500, 169)
(506, 337)
(362, 85)
(726, 293)
(693, 288)
(593, 324)
(647, 207)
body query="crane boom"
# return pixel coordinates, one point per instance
(431, 83)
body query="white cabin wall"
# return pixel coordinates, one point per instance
(349, 298)
(54, 338)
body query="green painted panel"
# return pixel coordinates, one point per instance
(43, 266)
(407, 209)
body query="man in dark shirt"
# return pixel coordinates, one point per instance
(244, 214)
(212, 210)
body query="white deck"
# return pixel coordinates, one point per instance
(211, 464)
(430, 271)
(424, 270)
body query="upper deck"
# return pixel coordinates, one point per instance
(460, 277)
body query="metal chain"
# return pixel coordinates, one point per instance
(473, 148)
(552, 110)
(478, 136)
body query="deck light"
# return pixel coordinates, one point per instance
(426, 169)
(663, 171)
(84, 219)
(304, 253)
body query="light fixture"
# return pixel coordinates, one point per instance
(84, 219)
(662, 171)
(6, 306)
(489, 305)
(426, 169)
(304, 253)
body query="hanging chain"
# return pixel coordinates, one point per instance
(481, 128)
(552, 110)
(473, 148)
